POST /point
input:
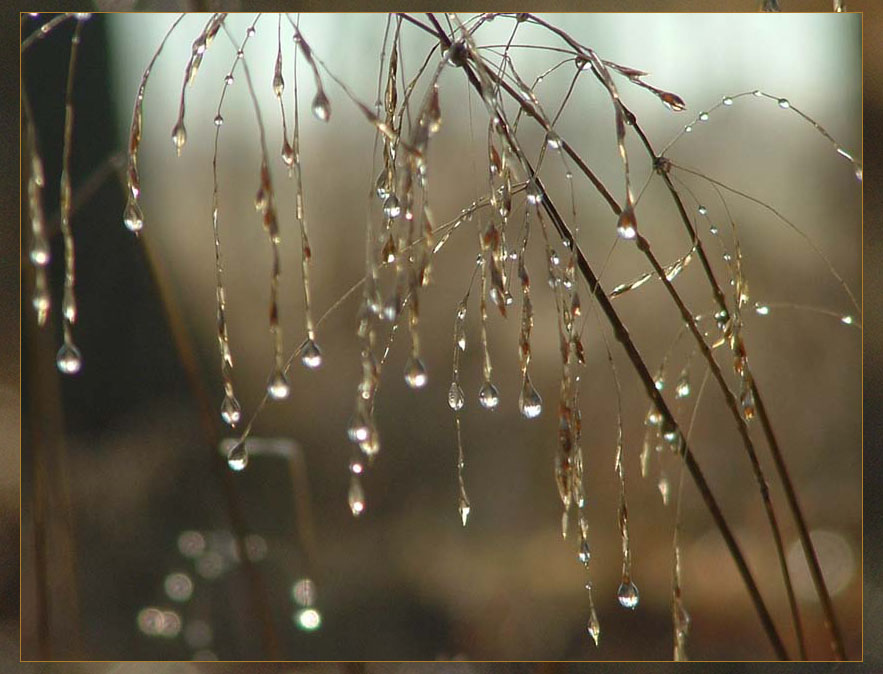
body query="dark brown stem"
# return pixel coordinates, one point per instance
(622, 335)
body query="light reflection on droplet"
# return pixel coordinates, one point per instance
(308, 619)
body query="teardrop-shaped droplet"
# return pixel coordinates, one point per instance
(237, 458)
(219, 119)
(727, 100)
(530, 404)
(231, 412)
(391, 206)
(322, 106)
(584, 554)
(672, 101)
(287, 153)
(179, 136)
(464, 507)
(456, 399)
(627, 594)
(68, 359)
(627, 225)
(278, 388)
(311, 356)
(702, 210)
(69, 305)
(279, 86)
(356, 497)
(594, 627)
(228, 80)
(488, 396)
(359, 426)
(682, 388)
(415, 373)
(132, 216)
(784, 103)
(703, 116)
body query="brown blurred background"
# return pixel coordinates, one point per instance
(406, 581)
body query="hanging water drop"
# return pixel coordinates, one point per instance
(584, 554)
(231, 412)
(391, 207)
(359, 428)
(784, 103)
(627, 225)
(69, 360)
(702, 210)
(228, 80)
(463, 507)
(132, 216)
(356, 497)
(530, 404)
(682, 388)
(703, 116)
(727, 100)
(237, 458)
(594, 627)
(311, 356)
(415, 373)
(688, 129)
(847, 320)
(381, 186)
(456, 399)
(179, 136)
(488, 396)
(322, 106)
(287, 153)
(278, 388)
(219, 119)
(627, 594)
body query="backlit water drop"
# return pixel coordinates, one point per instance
(237, 458)
(322, 106)
(627, 594)
(415, 373)
(231, 412)
(455, 397)
(311, 356)
(278, 388)
(69, 360)
(530, 404)
(488, 396)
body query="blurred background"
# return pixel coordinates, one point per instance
(138, 559)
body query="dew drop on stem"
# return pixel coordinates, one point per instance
(627, 225)
(530, 404)
(278, 388)
(415, 373)
(321, 106)
(627, 594)
(68, 359)
(179, 136)
(456, 399)
(311, 355)
(231, 412)
(237, 458)
(133, 219)
(488, 396)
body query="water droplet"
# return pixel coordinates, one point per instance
(664, 488)
(179, 136)
(278, 388)
(682, 388)
(219, 119)
(703, 116)
(584, 554)
(228, 80)
(672, 101)
(415, 373)
(463, 507)
(357, 467)
(240, 54)
(381, 186)
(594, 627)
(322, 106)
(133, 219)
(311, 356)
(627, 225)
(488, 396)
(627, 594)
(702, 210)
(356, 497)
(727, 100)
(455, 397)
(757, 92)
(858, 172)
(847, 320)
(250, 31)
(659, 382)
(746, 402)
(530, 403)
(359, 428)
(279, 86)
(231, 412)
(391, 206)
(69, 360)
(761, 309)
(688, 129)
(237, 458)
(784, 103)
(553, 141)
